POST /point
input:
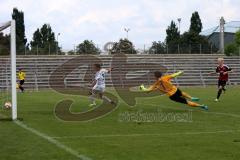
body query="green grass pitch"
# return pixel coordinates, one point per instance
(210, 135)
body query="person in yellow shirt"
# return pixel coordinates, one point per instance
(164, 85)
(21, 78)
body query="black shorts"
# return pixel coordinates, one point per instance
(178, 97)
(222, 83)
(21, 82)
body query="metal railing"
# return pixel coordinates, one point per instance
(136, 49)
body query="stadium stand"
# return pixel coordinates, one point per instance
(196, 67)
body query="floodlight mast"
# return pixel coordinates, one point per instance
(221, 30)
(179, 24)
(13, 70)
(127, 30)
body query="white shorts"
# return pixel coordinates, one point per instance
(99, 88)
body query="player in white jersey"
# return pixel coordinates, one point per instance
(99, 84)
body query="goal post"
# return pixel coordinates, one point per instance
(12, 25)
(13, 70)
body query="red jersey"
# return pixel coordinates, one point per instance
(221, 70)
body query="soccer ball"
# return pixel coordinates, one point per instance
(8, 105)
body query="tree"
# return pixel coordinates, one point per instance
(196, 24)
(123, 46)
(21, 40)
(157, 48)
(194, 43)
(37, 39)
(233, 48)
(173, 34)
(4, 44)
(172, 38)
(87, 47)
(44, 41)
(71, 52)
(237, 38)
(191, 41)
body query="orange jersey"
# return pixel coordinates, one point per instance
(164, 85)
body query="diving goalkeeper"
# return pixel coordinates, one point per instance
(163, 84)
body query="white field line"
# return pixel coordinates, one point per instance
(159, 134)
(141, 135)
(53, 141)
(223, 114)
(50, 140)
(189, 109)
(162, 134)
(75, 153)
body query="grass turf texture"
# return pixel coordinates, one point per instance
(212, 135)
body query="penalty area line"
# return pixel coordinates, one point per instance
(141, 135)
(189, 109)
(52, 141)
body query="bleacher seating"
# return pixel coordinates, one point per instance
(197, 68)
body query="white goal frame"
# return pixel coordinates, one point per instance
(12, 25)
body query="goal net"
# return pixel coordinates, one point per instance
(8, 85)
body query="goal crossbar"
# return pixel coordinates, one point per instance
(4, 25)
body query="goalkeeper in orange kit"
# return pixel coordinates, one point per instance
(164, 85)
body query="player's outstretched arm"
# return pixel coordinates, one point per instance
(229, 70)
(177, 74)
(144, 89)
(109, 70)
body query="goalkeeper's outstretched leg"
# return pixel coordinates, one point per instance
(186, 95)
(183, 97)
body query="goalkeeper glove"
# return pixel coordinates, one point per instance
(142, 88)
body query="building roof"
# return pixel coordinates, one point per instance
(230, 27)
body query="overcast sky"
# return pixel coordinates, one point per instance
(104, 20)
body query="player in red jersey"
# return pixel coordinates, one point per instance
(222, 70)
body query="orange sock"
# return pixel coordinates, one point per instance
(193, 104)
(186, 95)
